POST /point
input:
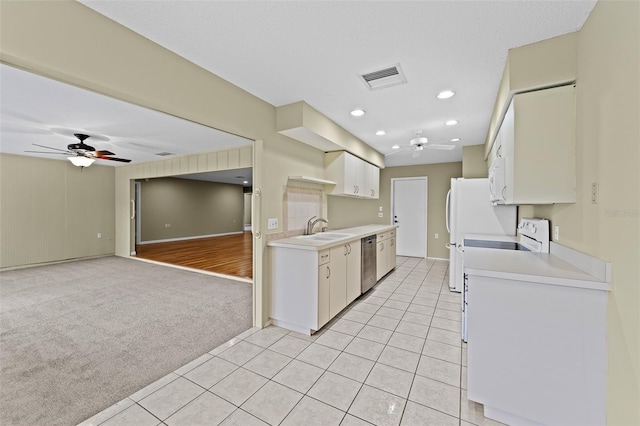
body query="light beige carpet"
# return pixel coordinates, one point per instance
(77, 337)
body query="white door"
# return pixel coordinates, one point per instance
(409, 207)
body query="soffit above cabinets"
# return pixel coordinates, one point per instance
(305, 124)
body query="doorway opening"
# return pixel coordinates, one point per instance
(197, 221)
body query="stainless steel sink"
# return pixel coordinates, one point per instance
(324, 236)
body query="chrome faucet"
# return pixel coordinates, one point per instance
(311, 223)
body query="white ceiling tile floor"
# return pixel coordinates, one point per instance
(348, 374)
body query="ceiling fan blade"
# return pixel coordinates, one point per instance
(397, 151)
(101, 153)
(50, 147)
(122, 160)
(51, 153)
(443, 147)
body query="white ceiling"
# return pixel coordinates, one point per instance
(287, 51)
(36, 109)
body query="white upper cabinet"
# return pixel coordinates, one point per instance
(354, 177)
(533, 159)
(372, 181)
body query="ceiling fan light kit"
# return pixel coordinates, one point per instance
(81, 161)
(418, 144)
(419, 140)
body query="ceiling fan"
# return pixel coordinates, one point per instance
(419, 143)
(81, 154)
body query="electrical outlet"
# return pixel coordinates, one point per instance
(380, 214)
(99, 235)
(556, 232)
(437, 236)
(272, 223)
(594, 193)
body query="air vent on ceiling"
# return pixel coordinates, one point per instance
(387, 77)
(164, 154)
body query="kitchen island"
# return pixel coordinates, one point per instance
(314, 277)
(537, 335)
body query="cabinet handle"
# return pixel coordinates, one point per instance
(382, 246)
(349, 248)
(346, 250)
(392, 241)
(328, 272)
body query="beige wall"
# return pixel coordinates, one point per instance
(608, 152)
(473, 163)
(191, 208)
(246, 219)
(42, 37)
(53, 211)
(346, 212)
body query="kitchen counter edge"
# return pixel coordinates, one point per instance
(356, 233)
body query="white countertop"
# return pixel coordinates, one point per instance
(355, 233)
(517, 265)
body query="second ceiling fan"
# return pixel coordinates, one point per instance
(420, 143)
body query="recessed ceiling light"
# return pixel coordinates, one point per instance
(445, 94)
(245, 182)
(381, 133)
(455, 140)
(451, 123)
(358, 112)
(395, 147)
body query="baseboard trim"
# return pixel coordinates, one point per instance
(54, 262)
(167, 240)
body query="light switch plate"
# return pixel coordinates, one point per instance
(380, 214)
(272, 223)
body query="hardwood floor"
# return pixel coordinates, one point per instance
(227, 254)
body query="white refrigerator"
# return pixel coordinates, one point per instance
(469, 211)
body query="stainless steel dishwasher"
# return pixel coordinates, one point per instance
(368, 262)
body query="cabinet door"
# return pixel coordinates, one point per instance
(338, 280)
(324, 275)
(381, 260)
(391, 254)
(372, 181)
(354, 284)
(357, 167)
(539, 144)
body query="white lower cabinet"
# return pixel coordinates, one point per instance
(337, 280)
(354, 270)
(386, 253)
(324, 280)
(537, 351)
(304, 302)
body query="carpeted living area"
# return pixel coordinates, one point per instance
(78, 337)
